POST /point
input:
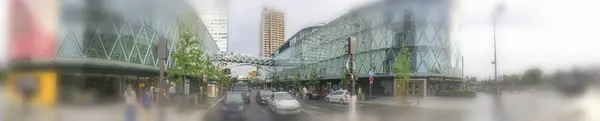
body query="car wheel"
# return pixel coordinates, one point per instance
(327, 99)
(341, 101)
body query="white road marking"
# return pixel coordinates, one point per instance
(259, 107)
(313, 113)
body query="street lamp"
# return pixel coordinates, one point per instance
(499, 9)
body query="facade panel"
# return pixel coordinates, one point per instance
(109, 30)
(382, 30)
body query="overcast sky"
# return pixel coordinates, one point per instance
(551, 34)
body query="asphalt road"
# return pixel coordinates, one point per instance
(257, 112)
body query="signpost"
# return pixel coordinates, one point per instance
(371, 79)
(351, 68)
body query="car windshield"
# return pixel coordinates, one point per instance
(234, 98)
(265, 93)
(283, 96)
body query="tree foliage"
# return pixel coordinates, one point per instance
(189, 57)
(314, 80)
(343, 79)
(402, 70)
(297, 80)
(190, 60)
(532, 76)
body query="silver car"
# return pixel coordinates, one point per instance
(283, 103)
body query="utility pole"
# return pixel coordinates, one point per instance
(351, 67)
(499, 9)
(162, 54)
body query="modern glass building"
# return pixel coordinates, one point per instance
(382, 29)
(98, 46)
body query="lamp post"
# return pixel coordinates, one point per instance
(499, 9)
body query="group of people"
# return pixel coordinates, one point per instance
(147, 96)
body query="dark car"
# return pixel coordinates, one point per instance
(262, 95)
(243, 88)
(233, 107)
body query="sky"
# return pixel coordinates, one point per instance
(549, 34)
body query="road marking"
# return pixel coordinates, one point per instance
(259, 107)
(313, 113)
(217, 103)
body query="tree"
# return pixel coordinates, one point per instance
(314, 80)
(344, 80)
(532, 76)
(188, 56)
(402, 70)
(297, 80)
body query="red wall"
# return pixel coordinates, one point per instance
(28, 36)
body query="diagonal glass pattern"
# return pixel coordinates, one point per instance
(382, 30)
(110, 30)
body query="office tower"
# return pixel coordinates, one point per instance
(272, 31)
(215, 15)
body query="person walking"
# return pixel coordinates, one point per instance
(146, 102)
(304, 93)
(130, 103)
(152, 92)
(172, 92)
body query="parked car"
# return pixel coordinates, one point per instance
(261, 97)
(283, 103)
(233, 107)
(339, 96)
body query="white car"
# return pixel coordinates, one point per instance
(283, 103)
(339, 96)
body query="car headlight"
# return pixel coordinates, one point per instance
(241, 108)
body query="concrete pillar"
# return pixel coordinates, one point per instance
(425, 88)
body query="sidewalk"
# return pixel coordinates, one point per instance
(419, 101)
(389, 101)
(116, 112)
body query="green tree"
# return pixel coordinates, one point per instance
(403, 71)
(532, 76)
(188, 57)
(344, 80)
(298, 80)
(314, 80)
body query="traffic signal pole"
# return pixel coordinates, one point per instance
(351, 67)
(162, 54)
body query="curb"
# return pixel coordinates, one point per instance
(215, 104)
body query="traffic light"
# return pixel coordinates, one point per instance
(351, 46)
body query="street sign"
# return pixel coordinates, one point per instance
(371, 74)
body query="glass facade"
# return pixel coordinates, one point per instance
(381, 29)
(125, 30)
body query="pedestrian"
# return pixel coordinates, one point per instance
(146, 102)
(152, 92)
(157, 92)
(172, 92)
(304, 93)
(130, 100)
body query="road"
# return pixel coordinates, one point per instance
(257, 112)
